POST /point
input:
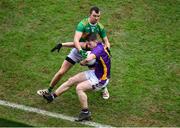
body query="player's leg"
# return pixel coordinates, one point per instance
(65, 86)
(71, 59)
(91, 84)
(64, 68)
(81, 88)
(78, 78)
(105, 93)
(71, 81)
(88, 85)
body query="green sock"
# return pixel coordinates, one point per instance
(50, 89)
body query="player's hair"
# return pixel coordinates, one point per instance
(92, 37)
(96, 9)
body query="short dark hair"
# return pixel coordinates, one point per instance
(96, 9)
(92, 37)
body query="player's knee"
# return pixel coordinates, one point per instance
(79, 88)
(71, 80)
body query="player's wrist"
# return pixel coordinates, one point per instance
(79, 49)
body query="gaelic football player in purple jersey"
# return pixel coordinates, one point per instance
(96, 79)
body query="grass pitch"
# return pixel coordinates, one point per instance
(144, 34)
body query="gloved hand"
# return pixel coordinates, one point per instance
(83, 53)
(57, 47)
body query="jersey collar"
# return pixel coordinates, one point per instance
(91, 23)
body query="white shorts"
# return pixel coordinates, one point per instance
(94, 81)
(75, 56)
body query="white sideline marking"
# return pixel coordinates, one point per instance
(47, 113)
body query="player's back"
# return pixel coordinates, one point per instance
(103, 65)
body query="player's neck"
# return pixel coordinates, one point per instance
(95, 43)
(90, 22)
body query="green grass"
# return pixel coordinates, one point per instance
(144, 34)
(10, 123)
(16, 118)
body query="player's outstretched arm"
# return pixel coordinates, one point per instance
(67, 44)
(72, 45)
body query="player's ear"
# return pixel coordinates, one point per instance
(90, 14)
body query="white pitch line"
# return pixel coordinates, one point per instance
(47, 113)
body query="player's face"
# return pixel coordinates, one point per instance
(92, 44)
(94, 17)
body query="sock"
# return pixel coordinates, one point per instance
(50, 89)
(85, 110)
(54, 95)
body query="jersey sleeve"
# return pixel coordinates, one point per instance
(102, 31)
(80, 27)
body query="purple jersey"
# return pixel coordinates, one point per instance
(103, 65)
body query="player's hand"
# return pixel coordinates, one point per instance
(82, 63)
(83, 53)
(57, 47)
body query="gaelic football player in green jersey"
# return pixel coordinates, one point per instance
(88, 25)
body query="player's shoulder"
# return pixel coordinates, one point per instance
(100, 25)
(100, 46)
(98, 50)
(84, 21)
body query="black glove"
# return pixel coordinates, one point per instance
(58, 47)
(109, 51)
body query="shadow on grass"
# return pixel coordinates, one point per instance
(10, 123)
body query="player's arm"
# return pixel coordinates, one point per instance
(78, 34)
(88, 59)
(106, 42)
(103, 35)
(72, 45)
(67, 44)
(77, 37)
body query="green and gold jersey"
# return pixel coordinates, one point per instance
(85, 27)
